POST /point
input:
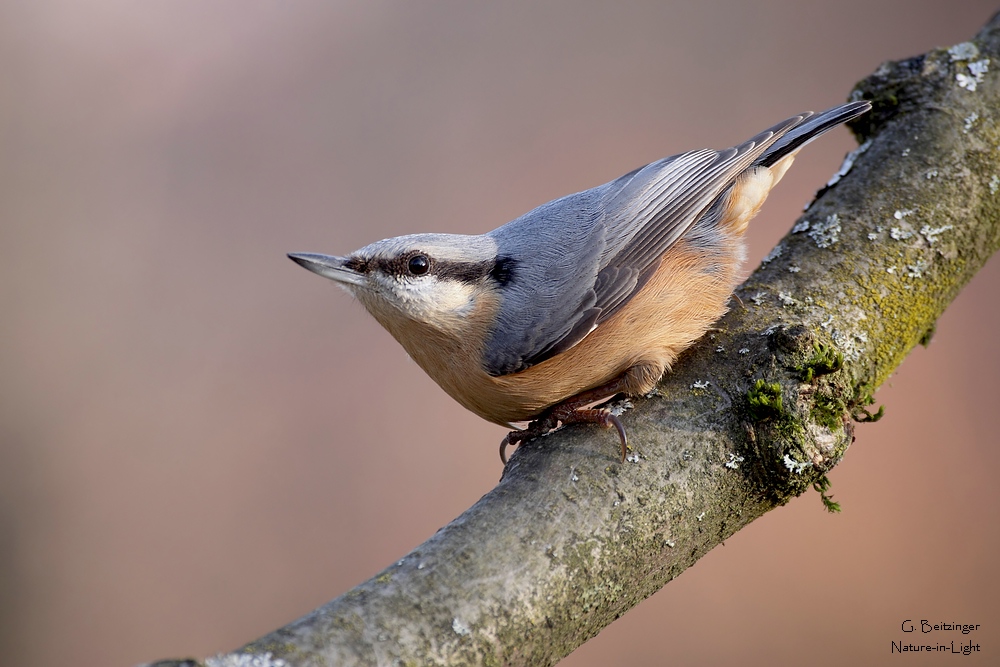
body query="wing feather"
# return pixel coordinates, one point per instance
(577, 260)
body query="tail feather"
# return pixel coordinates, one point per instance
(810, 128)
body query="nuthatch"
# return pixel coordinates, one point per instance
(585, 297)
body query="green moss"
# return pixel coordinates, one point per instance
(825, 360)
(764, 400)
(822, 485)
(863, 398)
(828, 411)
(862, 415)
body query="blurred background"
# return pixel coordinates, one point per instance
(200, 441)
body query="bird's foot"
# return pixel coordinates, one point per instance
(536, 428)
(567, 412)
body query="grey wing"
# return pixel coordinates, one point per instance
(651, 211)
(577, 260)
(550, 259)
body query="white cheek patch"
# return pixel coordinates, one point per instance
(432, 300)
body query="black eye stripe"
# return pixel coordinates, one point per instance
(356, 264)
(399, 266)
(502, 270)
(468, 272)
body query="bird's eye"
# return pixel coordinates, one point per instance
(418, 265)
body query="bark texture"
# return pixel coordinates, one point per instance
(754, 414)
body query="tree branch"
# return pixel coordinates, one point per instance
(754, 414)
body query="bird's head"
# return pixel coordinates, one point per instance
(436, 280)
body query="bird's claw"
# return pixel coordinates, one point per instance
(543, 425)
(622, 435)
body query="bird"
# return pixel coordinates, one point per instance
(585, 297)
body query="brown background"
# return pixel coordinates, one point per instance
(199, 441)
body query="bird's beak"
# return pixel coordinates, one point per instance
(334, 268)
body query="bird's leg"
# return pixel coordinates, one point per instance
(536, 428)
(572, 411)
